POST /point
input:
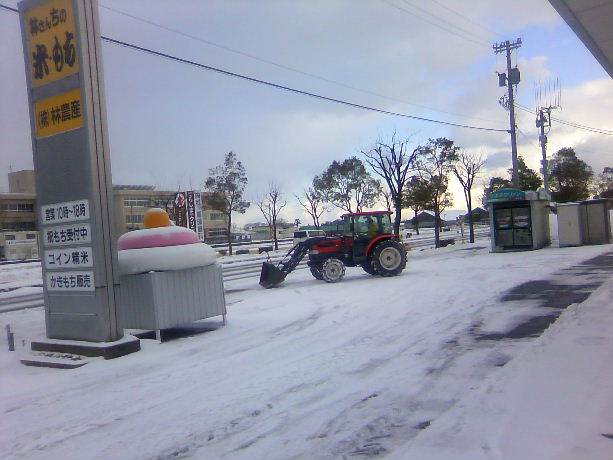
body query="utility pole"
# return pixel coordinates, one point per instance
(543, 120)
(509, 79)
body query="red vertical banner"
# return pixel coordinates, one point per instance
(180, 209)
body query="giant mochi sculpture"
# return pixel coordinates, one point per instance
(161, 246)
(167, 276)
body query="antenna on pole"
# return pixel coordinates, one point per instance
(553, 96)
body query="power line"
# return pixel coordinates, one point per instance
(480, 43)
(283, 66)
(293, 90)
(528, 138)
(6, 7)
(288, 88)
(448, 23)
(591, 129)
(468, 18)
(587, 128)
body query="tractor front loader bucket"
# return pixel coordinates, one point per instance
(271, 275)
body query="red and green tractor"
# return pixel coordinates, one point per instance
(367, 240)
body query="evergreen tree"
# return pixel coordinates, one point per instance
(528, 178)
(347, 185)
(418, 196)
(605, 180)
(571, 178)
(435, 161)
(496, 183)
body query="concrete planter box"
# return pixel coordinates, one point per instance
(161, 300)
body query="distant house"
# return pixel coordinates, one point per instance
(241, 236)
(261, 232)
(424, 219)
(478, 215)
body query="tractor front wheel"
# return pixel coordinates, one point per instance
(389, 258)
(316, 272)
(332, 270)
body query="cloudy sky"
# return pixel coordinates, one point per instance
(169, 122)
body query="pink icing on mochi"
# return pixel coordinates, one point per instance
(157, 237)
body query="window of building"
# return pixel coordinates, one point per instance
(17, 207)
(134, 219)
(19, 226)
(137, 202)
(9, 237)
(218, 216)
(25, 207)
(217, 232)
(31, 236)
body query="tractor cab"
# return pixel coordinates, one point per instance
(362, 231)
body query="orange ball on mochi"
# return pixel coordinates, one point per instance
(156, 217)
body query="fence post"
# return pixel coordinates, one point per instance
(10, 337)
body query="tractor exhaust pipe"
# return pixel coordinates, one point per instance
(271, 275)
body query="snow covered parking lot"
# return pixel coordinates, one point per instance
(308, 370)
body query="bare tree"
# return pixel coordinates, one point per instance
(434, 162)
(392, 161)
(312, 202)
(466, 170)
(226, 183)
(271, 205)
(388, 200)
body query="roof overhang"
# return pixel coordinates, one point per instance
(592, 21)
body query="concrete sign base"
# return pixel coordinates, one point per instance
(107, 350)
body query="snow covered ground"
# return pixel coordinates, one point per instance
(20, 279)
(370, 366)
(552, 402)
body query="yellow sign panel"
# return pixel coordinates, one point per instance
(59, 113)
(51, 34)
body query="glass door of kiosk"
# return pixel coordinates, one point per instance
(513, 225)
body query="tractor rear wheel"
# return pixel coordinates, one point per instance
(389, 258)
(316, 272)
(368, 268)
(332, 270)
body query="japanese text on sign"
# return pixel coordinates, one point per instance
(51, 34)
(68, 258)
(65, 212)
(58, 114)
(67, 234)
(70, 281)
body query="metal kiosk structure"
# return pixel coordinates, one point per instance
(519, 221)
(585, 222)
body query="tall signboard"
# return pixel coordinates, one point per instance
(188, 211)
(62, 55)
